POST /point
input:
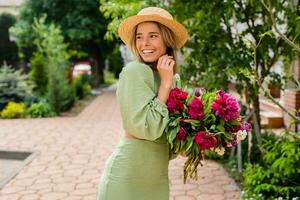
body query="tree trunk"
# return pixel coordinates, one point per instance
(97, 62)
(257, 126)
(257, 110)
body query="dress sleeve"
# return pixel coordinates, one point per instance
(143, 114)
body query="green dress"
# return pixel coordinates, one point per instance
(138, 168)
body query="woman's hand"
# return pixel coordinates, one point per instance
(165, 67)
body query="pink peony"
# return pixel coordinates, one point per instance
(205, 141)
(195, 109)
(226, 106)
(176, 100)
(181, 135)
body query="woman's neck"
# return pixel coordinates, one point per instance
(153, 65)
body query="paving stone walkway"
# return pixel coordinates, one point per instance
(72, 153)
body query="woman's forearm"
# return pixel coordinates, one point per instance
(163, 92)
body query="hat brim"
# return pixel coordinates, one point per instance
(127, 26)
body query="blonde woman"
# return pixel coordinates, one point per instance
(138, 168)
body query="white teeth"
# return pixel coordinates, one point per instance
(147, 51)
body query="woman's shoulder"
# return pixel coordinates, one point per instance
(136, 68)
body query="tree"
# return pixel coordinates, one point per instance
(51, 46)
(82, 25)
(118, 10)
(8, 49)
(233, 41)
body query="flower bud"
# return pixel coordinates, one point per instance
(198, 92)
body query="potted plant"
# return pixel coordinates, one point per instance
(275, 84)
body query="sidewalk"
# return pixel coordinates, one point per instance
(72, 153)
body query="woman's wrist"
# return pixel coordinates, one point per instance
(166, 84)
(163, 92)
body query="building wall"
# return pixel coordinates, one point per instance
(10, 6)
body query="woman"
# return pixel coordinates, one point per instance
(138, 168)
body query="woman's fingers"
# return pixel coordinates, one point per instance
(170, 62)
(165, 60)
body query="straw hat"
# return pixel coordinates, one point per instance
(153, 14)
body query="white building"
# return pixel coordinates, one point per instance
(10, 6)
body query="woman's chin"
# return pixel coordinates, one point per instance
(150, 60)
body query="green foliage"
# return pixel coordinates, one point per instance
(282, 175)
(81, 23)
(115, 61)
(117, 10)
(13, 110)
(50, 43)
(39, 73)
(277, 80)
(82, 86)
(109, 77)
(14, 86)
(250, 196)
(224, 35)
(8, 49)
(60, 96)
(41, 109)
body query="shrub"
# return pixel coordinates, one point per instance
(60, 95)
(50, 43)
(13, 110)
(281, 177)
(115, 61)
(41, 109)
(82, 86)
(14, 86)
(38, 73)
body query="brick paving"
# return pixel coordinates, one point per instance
(72, 153)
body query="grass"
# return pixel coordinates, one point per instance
(109, 77)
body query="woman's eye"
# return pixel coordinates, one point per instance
(138, 37)
(153, 36)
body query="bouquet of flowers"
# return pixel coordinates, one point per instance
(202, 121)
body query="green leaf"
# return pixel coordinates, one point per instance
(234, 123)
(192, 122)
(175, 122)
(221, 128)
(212, 126)
(189, 143)
(172, 135)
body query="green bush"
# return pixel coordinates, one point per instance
(39, 73)
(41, 109)
(61, 95)
(82, 86)
(50, 43)
(281, 177)
(13, 110)
(115, 61)
(14, 87)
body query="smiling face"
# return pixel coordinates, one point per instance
(149, 42)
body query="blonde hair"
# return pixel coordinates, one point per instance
(168, 38)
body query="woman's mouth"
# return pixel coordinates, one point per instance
(147, 52)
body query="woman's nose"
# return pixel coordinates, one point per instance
(145, 42)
